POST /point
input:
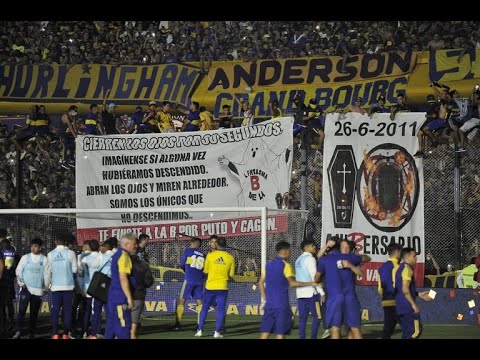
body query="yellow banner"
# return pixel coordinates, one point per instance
(451, 65)
(327, 96)
(85, 84)
(234, 76)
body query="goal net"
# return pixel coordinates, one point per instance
(251, 235)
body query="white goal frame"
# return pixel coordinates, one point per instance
(263, 211)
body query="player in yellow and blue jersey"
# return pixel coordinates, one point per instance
(274, 283)
(340, 267)
(120, 298)
(405, 299)
(192, 263)
(386, 289)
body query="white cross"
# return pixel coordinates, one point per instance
(344, 172)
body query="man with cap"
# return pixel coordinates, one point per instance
(150, 118)
(379, 107)
(108, 116)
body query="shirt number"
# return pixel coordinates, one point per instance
(197, 262)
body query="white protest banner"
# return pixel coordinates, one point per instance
(373, 186)
(240, 167)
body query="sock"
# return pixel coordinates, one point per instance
(199, 309)
(179, 313)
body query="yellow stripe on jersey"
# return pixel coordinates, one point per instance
(317, 309)
(220, 266)
(125, 263)
(287, 270)
(41, 122)
(379, 287)
(120, 315)
(388, 303)
(396, 265)
(90, 122)
(407, 273)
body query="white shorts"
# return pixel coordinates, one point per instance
(470, 124)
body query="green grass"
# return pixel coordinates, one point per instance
(247, 327)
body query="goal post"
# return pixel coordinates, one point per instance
(251, 235)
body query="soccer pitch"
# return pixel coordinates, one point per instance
(247, 327)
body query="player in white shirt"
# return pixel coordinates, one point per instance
(30, 274)
(308, 296)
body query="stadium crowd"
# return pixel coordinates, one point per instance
(37, 167)
(155, 42)
(42, 155)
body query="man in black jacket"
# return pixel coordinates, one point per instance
(142, 279)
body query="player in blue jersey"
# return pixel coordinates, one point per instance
(386, 289)
(274, 284)
(340, 267)
(192, 263)
(405, 296)
(350, 269)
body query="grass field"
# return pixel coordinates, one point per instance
(247, 327)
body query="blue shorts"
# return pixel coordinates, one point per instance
(352, 311)
(277, 321)
(411, 325)
(190, 291)
(119, 321)
(214, 297)
(437, 124)
(334, 310)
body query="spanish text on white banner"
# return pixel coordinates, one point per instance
(241, 167)
(373, 186)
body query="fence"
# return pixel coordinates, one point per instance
(440, 234)
(440, 230)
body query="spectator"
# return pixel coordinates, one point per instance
(109, 118)
(356, 107)
(401, 106)
(225, 119)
